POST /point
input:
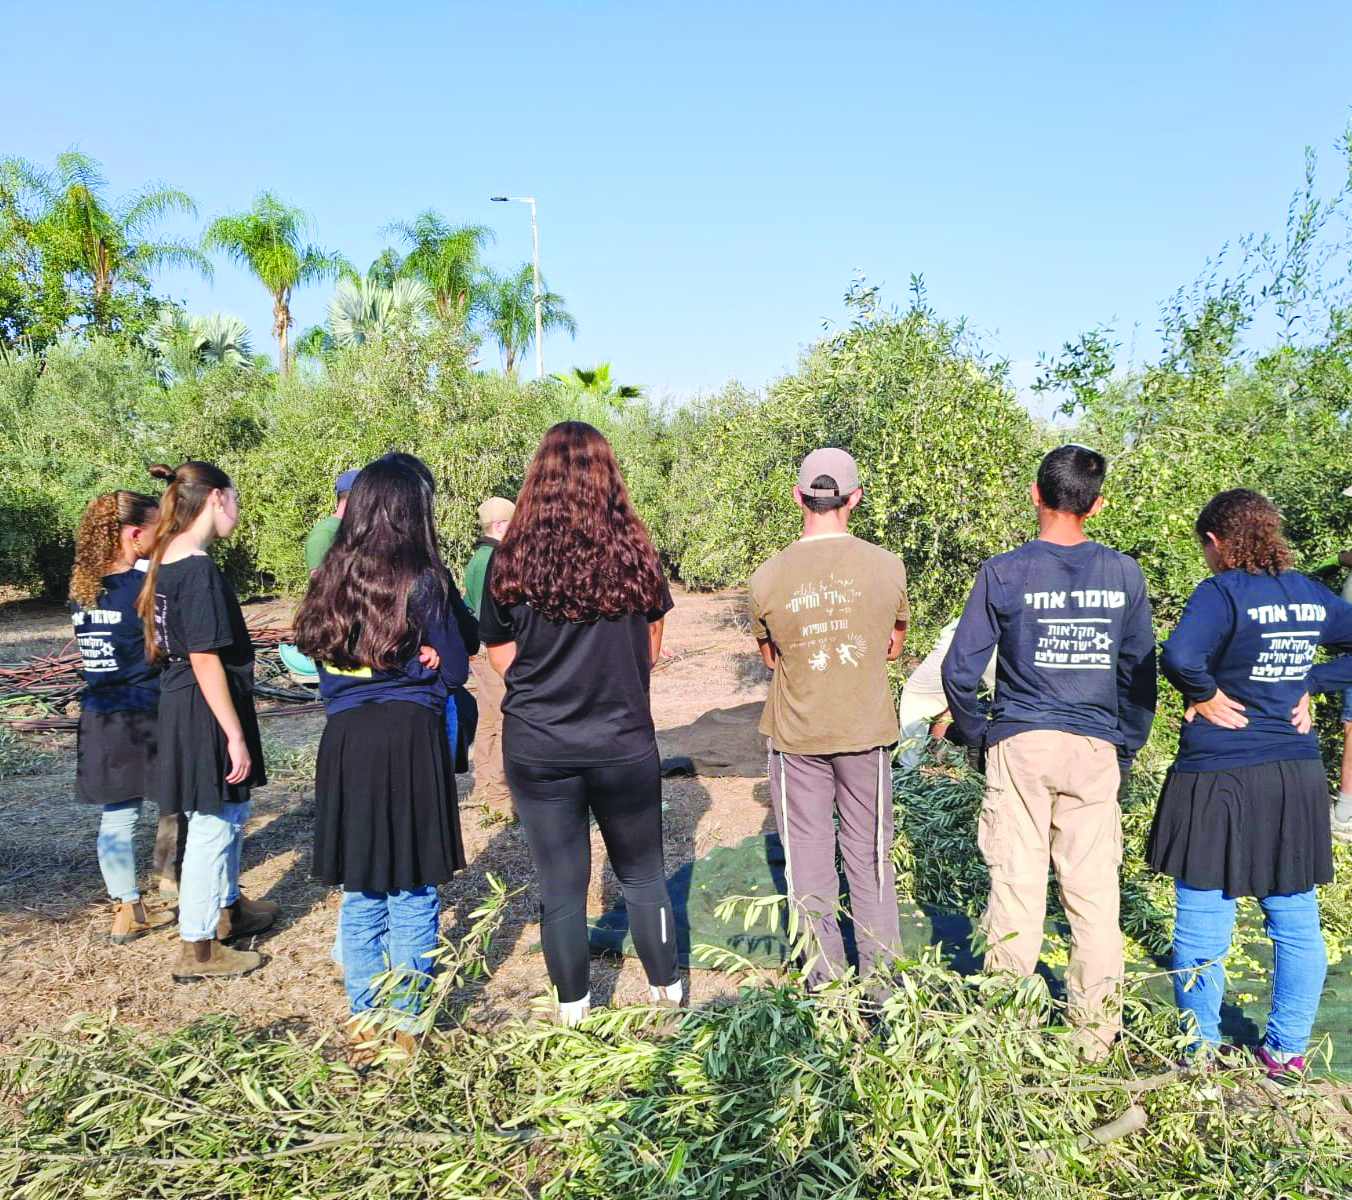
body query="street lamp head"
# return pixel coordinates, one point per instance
(499, 199)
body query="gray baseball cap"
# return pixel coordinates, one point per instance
(836, 465)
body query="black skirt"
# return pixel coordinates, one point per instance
(117, 758)
(386, 814)
(193, 757)
(1250, 831)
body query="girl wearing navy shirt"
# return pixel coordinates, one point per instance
(118, 739)
(388, 631)
(1244, 810)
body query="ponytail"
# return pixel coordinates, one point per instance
(99, 537)
(190, 484)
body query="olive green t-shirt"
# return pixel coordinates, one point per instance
(829, 604)
(318, 541)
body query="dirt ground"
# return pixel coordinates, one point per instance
(55, 958)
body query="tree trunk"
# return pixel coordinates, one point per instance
(281, 321)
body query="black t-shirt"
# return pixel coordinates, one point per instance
(577, 692)
(112, 649)
(196, 611)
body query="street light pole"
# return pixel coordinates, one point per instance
(535, 262)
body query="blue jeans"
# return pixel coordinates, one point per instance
(210, 879)
(1203, 924)
(389, 931)
(1347, 706)
(117, 852)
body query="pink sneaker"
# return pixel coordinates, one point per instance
(1292, 1070)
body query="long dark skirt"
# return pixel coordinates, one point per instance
(194, 760)
(386, 814)
(1250, 831)
(118, 756)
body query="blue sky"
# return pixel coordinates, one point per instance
(710, 176)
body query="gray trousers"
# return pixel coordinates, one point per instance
(806, 791)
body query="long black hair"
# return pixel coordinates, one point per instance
(383, 578)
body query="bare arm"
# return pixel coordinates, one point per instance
(768, 655)
(209, 672)
(896, 641)
(501, 657)
(655, 639)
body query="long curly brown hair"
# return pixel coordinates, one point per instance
(1247, 527)
(99, 538)
(576, 550)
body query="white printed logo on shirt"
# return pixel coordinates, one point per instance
(823, 609)
(1075, 642)
(1287, 653)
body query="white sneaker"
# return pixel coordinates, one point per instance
(1341, 830)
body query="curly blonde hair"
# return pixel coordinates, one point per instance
(98, 539)
(1247, 527)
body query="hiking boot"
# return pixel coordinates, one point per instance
(368, 1042)
(211, 960)
(1341, 830)
(133, 920)
(1280, 1069)
(244, 918)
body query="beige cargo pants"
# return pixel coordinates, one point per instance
(1053, 796)
(490, 785)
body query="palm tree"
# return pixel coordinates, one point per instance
(509, 312)
(362, 309)
(269, 240)
(443, 256)
(596, 382)
(184, 344)
(67, 214)
(387, 267)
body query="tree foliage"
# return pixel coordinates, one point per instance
(71, 256)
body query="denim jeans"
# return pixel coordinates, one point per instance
(1203, 924)
(117, 851)
(210, 879)
(389, 931)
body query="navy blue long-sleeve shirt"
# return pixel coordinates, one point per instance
(453, 633)
(1076, 651)
(1254, 638)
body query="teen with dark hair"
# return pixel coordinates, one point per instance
(1074, 701)
(1244, 809)
(572, 613)
(829, 613)
(382, 621)
(210, 750)
(116, 760)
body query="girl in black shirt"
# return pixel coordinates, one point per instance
(572, 616)
(210, 750)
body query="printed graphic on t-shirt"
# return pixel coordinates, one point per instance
(1075, 642)
(1287, 654)
(98, 653)
(161, 623)
(821, 611)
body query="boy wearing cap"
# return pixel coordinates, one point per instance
(1074, 701)
(320, 538)
(829, 612)
(490, 787)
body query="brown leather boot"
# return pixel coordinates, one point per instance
(245, 917)
(211, 960)
(133, 920)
